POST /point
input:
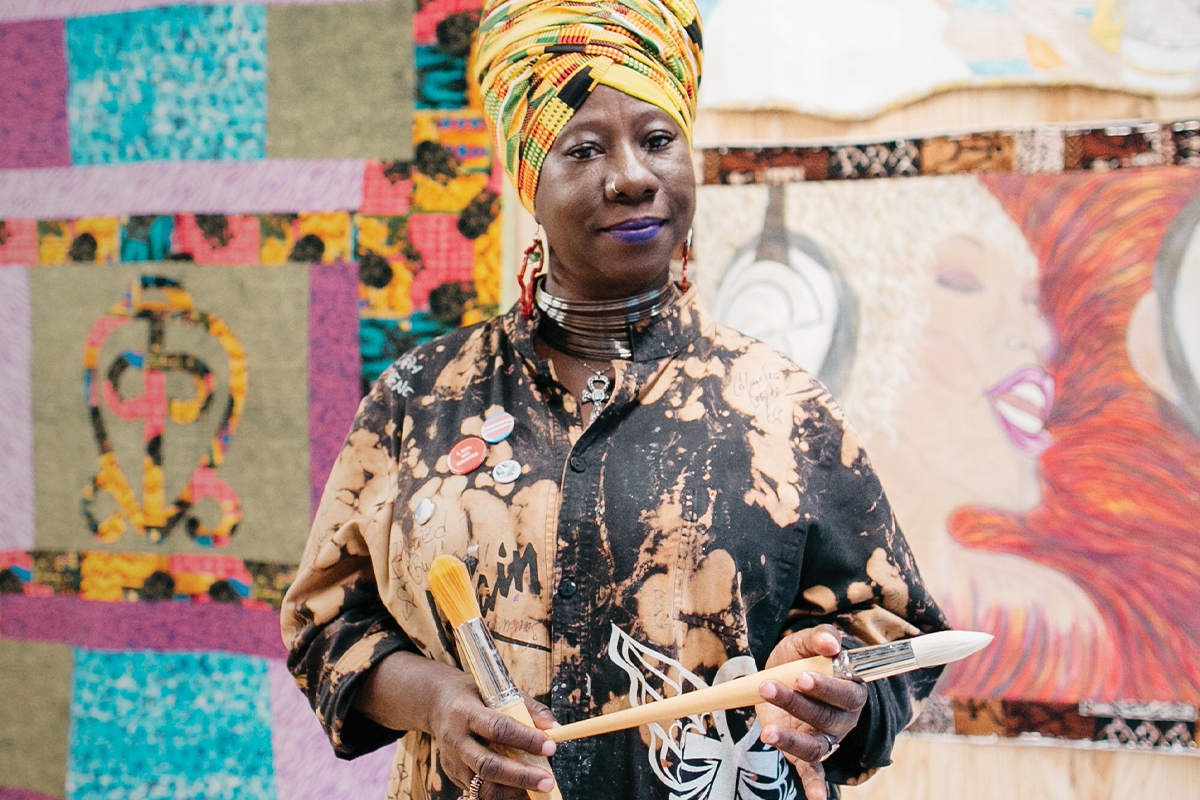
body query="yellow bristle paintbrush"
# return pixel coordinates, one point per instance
(450, 584)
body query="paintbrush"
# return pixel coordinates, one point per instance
(862, 664)
(450, 584)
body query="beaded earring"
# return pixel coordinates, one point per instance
(535, 254)
(687, 252)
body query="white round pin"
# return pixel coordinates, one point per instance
(424, 511)
(507, 471)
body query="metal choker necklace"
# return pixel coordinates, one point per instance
(599, 329)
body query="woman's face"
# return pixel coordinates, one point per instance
(986, 339)
(616, 196)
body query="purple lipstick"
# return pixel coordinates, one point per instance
(636, 231)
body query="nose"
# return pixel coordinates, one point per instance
(629, 179)
(1027, 329)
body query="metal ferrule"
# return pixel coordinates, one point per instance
(875, 662)
(478, 653)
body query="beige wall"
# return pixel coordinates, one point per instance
(947, 112)
(941, 768)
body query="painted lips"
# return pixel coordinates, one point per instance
(1021, 403)
(636, 231)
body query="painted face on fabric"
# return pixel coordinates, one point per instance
(616, 196)
(985, 333)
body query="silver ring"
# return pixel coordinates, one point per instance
(834, 744)
(473, 789)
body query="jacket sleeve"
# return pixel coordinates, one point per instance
(859, 575)
(334, 622)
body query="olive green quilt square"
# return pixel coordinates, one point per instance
(340, 80)
(35, 716)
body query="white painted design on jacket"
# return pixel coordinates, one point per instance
(697, 757)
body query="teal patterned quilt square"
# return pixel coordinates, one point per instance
(170, 725)
(178, 83)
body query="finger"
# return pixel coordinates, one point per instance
(823, 640)
(541, 715)
(819, 715)
(494, 767)
(812, 780)
(799, 745)
(837, 692)
(494, 791)
(492, 726)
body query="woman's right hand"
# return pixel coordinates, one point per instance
(464, 728)
(407, 692)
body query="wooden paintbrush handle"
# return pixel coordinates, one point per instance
(731, 694)
(520, 713)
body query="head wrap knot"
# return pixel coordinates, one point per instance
(538, 60)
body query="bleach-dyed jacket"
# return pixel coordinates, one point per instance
(719, 500)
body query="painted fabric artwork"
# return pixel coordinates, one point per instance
(854, 59)
(159, 301)
(190, 393)
(1023, 372)
(180, 299)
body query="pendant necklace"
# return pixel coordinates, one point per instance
(597, 392)
(599, 329)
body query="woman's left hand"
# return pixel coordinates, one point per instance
(807, 720)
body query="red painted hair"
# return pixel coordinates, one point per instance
(1120, 485)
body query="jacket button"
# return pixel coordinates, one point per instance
(578, 464)
(567, 589)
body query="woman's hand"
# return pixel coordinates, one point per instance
(464, 729)
(407, 692)
(806, 721)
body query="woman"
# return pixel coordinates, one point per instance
(673, 504)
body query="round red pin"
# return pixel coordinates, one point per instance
(467, 455)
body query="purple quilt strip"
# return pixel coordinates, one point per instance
(168, 625)
(333, 366)
(16, 411)
(305, 766)
(12, 793)
(195, 187)
(54, 9)
(33, 96)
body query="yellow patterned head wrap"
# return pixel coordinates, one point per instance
(538, 60)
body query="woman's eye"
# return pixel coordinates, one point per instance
(657, 141)
(584, 151)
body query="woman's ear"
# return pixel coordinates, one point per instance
(1143, 342)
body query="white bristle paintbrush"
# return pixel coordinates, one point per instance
(862, 664)
(450, 584)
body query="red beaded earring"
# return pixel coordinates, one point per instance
(687, 252)
(535, 254)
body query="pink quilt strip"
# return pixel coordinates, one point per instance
(145, 625)
(33, 123)
(55, 9)
(16, 411)
(334, 364)
(305, 766)
(195, 187)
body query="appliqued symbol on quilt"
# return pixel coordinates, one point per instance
(704, 755)
(161, 304)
